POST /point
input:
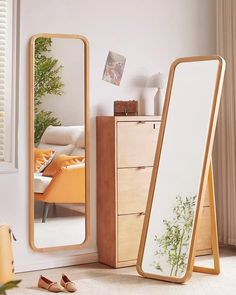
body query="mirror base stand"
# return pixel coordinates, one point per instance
(214, 236)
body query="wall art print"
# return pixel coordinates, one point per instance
(114, 68)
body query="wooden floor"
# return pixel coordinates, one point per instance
(99, 279)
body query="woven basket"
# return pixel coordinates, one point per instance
(6, 255)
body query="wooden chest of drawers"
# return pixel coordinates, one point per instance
(125, 154)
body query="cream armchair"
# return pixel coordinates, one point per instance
(67, 140)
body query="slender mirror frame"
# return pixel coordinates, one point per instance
(31, 141)
(204, 173)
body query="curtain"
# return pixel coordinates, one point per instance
(224, 154)
(6, 79)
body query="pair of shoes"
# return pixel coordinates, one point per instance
(55, 287)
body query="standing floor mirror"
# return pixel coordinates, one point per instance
(181, 168)
(59, 142)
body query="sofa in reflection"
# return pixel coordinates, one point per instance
(67, 186)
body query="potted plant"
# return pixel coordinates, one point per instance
(47, 80)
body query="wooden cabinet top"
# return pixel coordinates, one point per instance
(132, 118)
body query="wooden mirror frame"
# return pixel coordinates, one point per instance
(204, 173)
(31, 142)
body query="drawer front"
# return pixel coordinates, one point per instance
(136, 143)
(133, 187)
(129, 235)
(204, 236)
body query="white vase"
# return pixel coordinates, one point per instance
(158, 102)
(148, 101)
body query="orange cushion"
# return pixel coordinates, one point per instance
(61, 161)
(42, 158)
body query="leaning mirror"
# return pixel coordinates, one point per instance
(181, 168)
(59, 142)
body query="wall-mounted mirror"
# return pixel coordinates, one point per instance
(181, 168)
(59, 142)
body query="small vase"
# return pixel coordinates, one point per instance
(158, 102)
(148, 101)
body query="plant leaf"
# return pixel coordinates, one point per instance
(9, 285)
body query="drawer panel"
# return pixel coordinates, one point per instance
(133, 187)
(204, 236)
(136, 143)
(129, 235)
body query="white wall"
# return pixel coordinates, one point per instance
(150, 33)
(68, 107)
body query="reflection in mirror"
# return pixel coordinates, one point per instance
(180, 169)
(59, 150)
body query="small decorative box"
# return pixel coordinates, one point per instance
(126, 108)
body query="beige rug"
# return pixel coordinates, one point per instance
(97, 279)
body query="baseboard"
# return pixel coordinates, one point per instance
(58, 262)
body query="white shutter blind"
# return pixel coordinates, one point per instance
(6, 11)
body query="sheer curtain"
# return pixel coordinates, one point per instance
(225, 143)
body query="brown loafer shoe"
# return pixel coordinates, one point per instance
(45, 283)
(67, 284)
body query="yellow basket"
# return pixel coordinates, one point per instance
(6, 254)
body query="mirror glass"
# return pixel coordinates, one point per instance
(59, 149)
(177, 182)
